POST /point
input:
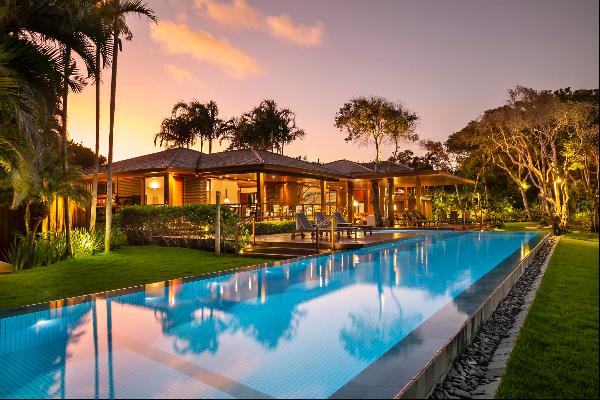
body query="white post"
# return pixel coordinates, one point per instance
(218, 223)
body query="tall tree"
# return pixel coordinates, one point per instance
(116, 12)
(216, 128)
(103, 45)
(367, 120)
(265, 127)
(46, 34)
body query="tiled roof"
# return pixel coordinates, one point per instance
(348, 167)
(172, 158)
(248, 157)
(355, 169)
(386, 166)
(182, 158)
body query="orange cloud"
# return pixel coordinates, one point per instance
(182, 75)
(236, 15)
(240, 15)
(283, 27)
(201, 45)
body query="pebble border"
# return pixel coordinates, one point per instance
(477, 372)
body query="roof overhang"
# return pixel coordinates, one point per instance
(430, 178)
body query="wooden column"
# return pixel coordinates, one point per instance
(418, 205)
(260, 190)
(143, 190)
(166, 188)
(350, 200)
(323, 191)
(405, 198)
(390, 201)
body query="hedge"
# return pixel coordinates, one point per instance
(180, 226)
(270, 227)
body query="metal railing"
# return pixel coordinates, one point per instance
(280, 211)
(331, 230)
(243, 222)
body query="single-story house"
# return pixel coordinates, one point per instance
(269, 185)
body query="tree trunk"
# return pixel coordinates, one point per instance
(113, 94)
(210, 146)
(65, 154)
(594, 221)
(525, 203)
(375, 202)
(94, 200)
(458, 197)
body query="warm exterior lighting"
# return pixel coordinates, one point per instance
(226, 197)
(355, 203)
(154, 184)
(558, 180)
(395, 207)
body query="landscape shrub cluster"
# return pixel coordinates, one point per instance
(43, 249)
(183, 226)
(271, 227)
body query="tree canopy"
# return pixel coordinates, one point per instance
(375, 120)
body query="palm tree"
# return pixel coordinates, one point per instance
(102, 48)
(216, 128)
(196, 116)
(38, 39)
(175, 132)
(116, 12)
(265, 127)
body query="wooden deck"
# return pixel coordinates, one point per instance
(283, 246)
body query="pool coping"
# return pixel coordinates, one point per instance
(412, 367)
(415, 373)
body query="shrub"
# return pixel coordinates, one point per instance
(32, 251)
(84, 243)
(271, 227)
(184, 226)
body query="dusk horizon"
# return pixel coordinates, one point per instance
(446, 62)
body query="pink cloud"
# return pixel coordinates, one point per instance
(240, 15)
(201, 45)
(283, 27)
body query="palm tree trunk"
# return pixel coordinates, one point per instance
(97, 149)
(113, 94)
(65, 155)
(210, 146)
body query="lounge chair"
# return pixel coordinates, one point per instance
(442, 217)
(424, 219)
(454, 217)
(413, 219)
(341, 222)
(303, 225)
(324, 224)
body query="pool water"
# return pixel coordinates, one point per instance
(300, 329)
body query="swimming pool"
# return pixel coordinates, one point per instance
(299, 329)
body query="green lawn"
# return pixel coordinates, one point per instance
(556, 355)
(522, 226)
(125, 267)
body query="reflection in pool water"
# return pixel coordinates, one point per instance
(302, 329)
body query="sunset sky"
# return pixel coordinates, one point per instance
(446, 60)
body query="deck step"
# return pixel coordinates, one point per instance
(279, 250)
